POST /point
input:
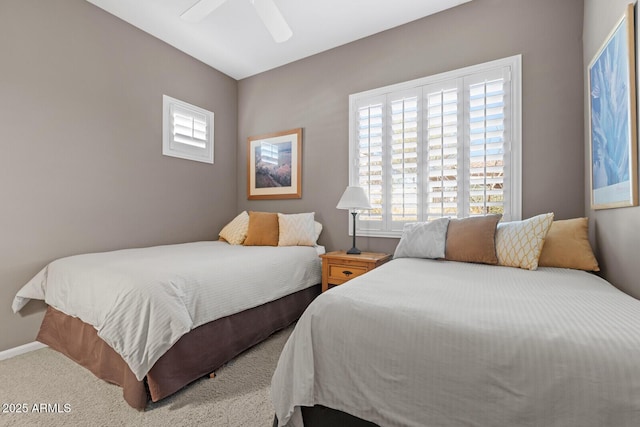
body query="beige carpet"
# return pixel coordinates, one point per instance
(237, 396)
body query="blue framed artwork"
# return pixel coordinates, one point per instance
(612, 119)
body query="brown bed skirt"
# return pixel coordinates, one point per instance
(198, 353)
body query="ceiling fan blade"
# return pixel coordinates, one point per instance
(273, 20)
(201, 10)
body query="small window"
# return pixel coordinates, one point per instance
(187, 131)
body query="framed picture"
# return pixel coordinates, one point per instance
(274, 165)
(612, 119)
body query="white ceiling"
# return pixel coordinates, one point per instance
(233, 40)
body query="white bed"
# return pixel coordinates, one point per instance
(141, 301)
(421, 342)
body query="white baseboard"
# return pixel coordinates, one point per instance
(17, 351)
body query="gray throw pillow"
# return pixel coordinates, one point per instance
(423, 239)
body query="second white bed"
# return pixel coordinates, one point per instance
(435, 343)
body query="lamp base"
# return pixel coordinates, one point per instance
(354, 250)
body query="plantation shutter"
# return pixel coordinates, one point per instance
(441, 146)
(487, 144)
(189, 127)
(187, 131)
(370, 170)
(404, 167)
(443, 153)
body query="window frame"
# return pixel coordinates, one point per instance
(172, 147)
(512, 162)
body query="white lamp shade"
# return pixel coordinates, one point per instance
(354, 198)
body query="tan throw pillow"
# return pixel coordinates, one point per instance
(567, 246)
(263, 229)
(518, 243)
(236, 231)
(472, 239)
(296, 229)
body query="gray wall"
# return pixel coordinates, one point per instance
(615, 231)
(81, 164)
(313, 94)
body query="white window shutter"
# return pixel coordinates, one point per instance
(488, 143)
(403, 183)
(188, 127)
(443, 155)
(187, 131)
(441, 146)
(368, 160)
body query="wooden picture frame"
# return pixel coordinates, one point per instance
(274, 165)
(612, 119)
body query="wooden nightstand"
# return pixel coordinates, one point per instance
(339, 267)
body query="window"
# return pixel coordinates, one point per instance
(441, 146)
(187, 131)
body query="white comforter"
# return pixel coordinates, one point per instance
(437, 343)
(141, 301)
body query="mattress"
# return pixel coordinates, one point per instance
(422, 342)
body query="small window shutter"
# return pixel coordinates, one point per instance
(189, 127)
(187, 131)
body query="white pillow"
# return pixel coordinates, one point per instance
(236, 231)
(318, 230)
(297, 229)
(423, 239)
(519, 243)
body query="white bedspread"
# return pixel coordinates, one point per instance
(141, 301)
(437, 343)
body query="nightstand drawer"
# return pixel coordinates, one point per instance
(345, 272)
(339, 267)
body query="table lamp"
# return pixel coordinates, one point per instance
(354, 199)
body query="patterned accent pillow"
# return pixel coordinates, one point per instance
(297, 229)
(519, 243)
(423, 239)
(236, 231)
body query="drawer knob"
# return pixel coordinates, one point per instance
(347, 273)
